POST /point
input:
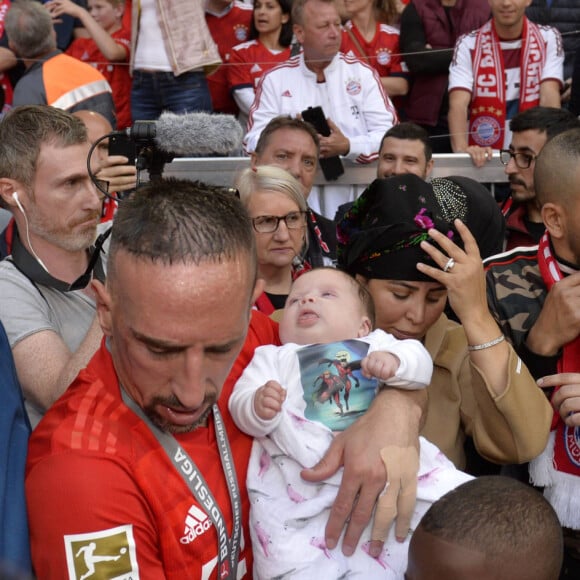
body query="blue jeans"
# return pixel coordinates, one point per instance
(155, 92)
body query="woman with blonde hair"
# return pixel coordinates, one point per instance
(278, 210)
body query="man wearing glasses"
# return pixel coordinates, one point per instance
(531, 130)
(293, 145)
(534, 295)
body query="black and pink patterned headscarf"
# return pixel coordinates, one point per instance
(380, 236)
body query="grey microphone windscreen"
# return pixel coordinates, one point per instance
(197, 134)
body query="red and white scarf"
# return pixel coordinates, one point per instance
(487, 117)
(557, 469)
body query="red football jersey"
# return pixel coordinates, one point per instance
(104, 498)
(382, 52)
(116, 73)
(249, 61)
(228, 30)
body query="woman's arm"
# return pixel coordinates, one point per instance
(465, 283)
(395, 86)
(504, 409)
(244, 98)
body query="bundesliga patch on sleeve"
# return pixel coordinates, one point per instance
(103, 555)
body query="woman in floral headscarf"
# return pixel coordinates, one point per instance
(395, 241)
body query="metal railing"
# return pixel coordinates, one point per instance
(223, 170)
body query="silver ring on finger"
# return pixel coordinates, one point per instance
(449, 265)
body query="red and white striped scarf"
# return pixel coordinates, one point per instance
(558, 467)
(487, 117)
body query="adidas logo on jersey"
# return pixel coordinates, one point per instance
(256, 68)
(196, 523)
(287, 93)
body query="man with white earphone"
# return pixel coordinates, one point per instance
(47, 306)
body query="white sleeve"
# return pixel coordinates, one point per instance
(554, 65)
(461, 67)
(379, 116)
(244, 98)
(416, 365)
(262, 368)
(264, 108)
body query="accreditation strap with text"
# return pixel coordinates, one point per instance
(229, 546)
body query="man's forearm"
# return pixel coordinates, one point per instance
(406, 412)
(550, 94)
(392, 421)
(458, 129)
(395, 86)
(78, 360)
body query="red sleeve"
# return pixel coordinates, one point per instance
(126, 22)
(239, 70)
(396, 61)
(345, 42)
(391, 42)
(76, 48)
(115, 513)
(123, 38)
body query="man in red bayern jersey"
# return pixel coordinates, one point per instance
(138, 471)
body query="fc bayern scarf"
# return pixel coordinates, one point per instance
(558, 467)
(487, 117)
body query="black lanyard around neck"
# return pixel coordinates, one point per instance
(29, 266)
(229, 547)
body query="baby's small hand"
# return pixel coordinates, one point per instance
(268, 400)
(380, 365)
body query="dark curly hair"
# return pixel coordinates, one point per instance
(286, 33)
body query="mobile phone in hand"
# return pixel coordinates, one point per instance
(121, 144)
(332, 167)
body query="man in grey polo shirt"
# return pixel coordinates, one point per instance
(47, 306)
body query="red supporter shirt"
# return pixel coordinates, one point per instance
(117, 74)
(227, 31)
(109, 209)
(104, 499)
(126, 22)
(382, 51)
(249, 61)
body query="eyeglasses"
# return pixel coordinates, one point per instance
(268, 224)
(523, 160)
